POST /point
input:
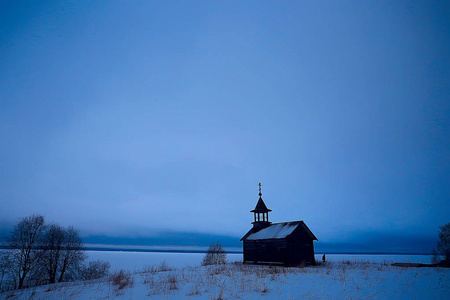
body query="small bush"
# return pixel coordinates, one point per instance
(443, 246)
(153, 269)
(163, 267)
(435, 257)
(215, 255)
(122, 279)
(95, 270)
(172, 281)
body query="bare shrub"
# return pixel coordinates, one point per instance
(435, 257)
(276, 270)
(163, 267)
(149, 269)
(172, 282)
(161, 283)
(216, 270)
(152, 283)
(215, 255)
(95, 270)
(443, 245)
(6, 277)
(153, 269)
(122, 279)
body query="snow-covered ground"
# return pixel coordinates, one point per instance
(352, 278)
(341, 277)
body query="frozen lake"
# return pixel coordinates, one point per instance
(137, 260)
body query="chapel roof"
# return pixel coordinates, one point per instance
(278, 231)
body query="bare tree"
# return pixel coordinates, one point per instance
(26, 240)
(444, 241)
(63, 254)
(215, 255)
(41, 254)
(72, 255)
(52, 244)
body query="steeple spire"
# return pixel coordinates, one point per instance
(261, 212)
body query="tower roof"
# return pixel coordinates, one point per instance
(260, 207)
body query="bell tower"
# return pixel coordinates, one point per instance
(261, 213)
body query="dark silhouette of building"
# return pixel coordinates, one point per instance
(288, 243)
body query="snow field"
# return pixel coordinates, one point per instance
(332, 280)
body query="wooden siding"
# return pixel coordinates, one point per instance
(301, 248)
(266, 251)
(295, 249)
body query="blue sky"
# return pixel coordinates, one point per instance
(135, 118)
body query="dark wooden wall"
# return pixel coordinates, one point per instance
(301, 248)
(296, 249)
(265, 251)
